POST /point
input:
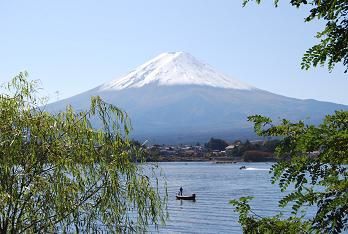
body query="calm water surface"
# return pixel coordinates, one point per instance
(215, 185)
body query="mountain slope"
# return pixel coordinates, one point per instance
(174, 98)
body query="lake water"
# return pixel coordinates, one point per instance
(215, 185)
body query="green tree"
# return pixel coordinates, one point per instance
(311, 158)
(333, 45)
(253, 223)
(216, 144)
(59, 174)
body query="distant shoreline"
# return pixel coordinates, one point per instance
(213, 160)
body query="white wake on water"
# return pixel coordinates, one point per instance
(256, 169)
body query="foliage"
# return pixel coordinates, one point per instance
(58, 174)
(313, 159)
(153, 154)
(253, 223)
(240, 149)
(216, 144)
(333, 45)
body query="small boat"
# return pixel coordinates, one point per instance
(242, 167)
(182, 197)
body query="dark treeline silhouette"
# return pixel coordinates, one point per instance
(216, 144)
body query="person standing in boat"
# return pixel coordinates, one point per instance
(180, 191)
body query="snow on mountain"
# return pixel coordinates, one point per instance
(174, 98)
(174, 68)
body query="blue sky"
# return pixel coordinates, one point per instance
(73, 46)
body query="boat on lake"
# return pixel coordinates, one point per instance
(182, 197)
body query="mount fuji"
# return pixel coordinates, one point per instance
(174, 98)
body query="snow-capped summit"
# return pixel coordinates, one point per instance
(174, 98)
(174, 68)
